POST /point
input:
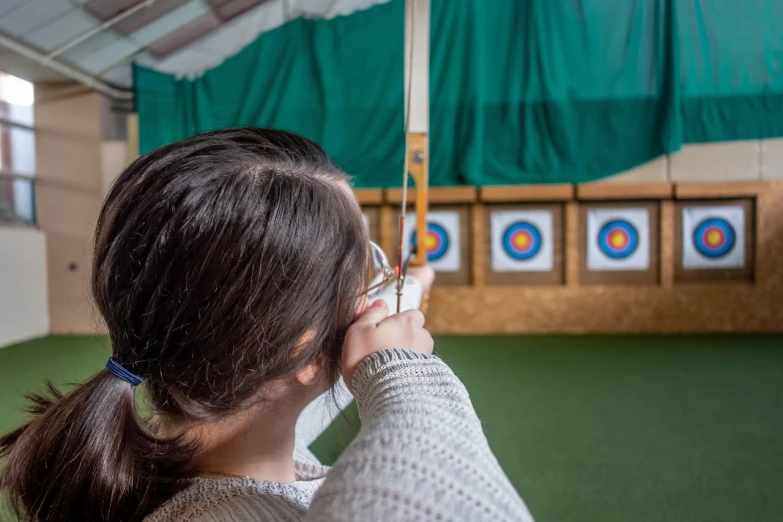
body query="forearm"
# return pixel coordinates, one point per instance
(421, 451)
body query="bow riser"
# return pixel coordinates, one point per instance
(418, 168)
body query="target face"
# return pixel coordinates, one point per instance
(713, 237)
(436, 242)
(442, 241)
(522, 240)
(618, 239)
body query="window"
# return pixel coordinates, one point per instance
(17, 150)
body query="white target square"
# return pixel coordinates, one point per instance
(618, 239)
(442, 242)
(366, 219)
(713, 237)
(522, 240)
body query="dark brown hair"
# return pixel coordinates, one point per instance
(214, 257)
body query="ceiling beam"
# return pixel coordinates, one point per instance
(66, 70)
(98, 29)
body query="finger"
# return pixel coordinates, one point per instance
(374, 314)
(413, 315)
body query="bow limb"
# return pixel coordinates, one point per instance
(417, 120)
(417, 113)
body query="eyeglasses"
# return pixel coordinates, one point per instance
(382, 272)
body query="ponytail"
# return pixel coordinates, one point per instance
(89, 456)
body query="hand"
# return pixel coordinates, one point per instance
(424, 275)
(374, 331)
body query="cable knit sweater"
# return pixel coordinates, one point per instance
(421, 454)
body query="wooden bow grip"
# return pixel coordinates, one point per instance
(417, 166)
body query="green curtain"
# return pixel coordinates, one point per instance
(522, 91)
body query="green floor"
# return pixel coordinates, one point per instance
(605, 429)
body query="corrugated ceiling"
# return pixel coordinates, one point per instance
(180, 36)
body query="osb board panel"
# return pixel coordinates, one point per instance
(745, 274)
(572, 243)
(556, 276)
(523, 193)
(466, 194)
(594, 191)
(374, 216)
(636, 277)
(667, 244)
(369, 196)
(695, 308)
(734, 189)
(478, 233)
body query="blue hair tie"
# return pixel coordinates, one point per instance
(120, 372)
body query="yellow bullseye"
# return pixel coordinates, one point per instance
(714, 237)
(617, 240)
(522, 241)
(431, 242)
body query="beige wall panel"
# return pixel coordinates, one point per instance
(72, 165)
(655, 170)
(78, 319)
(133, 137)
(724, 161)
(68, 161)
(772, 159)
(67, 211)
(67, 284)
(71, 308)
(68, 109)
(113, 161)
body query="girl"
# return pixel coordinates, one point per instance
(229, 269)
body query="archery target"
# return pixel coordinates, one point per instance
(522, 241)
(442, 241)
(713, 237)
(618, 239)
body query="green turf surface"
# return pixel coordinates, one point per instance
(589, 428)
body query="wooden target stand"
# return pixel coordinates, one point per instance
(666, 299)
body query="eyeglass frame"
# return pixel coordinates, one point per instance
(389, 273)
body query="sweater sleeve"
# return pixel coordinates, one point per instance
(421, 453)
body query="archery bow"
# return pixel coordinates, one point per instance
(417, 41)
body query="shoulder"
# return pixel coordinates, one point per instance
(234, 499)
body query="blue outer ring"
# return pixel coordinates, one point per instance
(444, 243)
(603, 239)
(534, 248)
(706, 250)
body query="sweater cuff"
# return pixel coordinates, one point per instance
(387, 364)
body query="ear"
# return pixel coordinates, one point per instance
(311, 374)
(361, 305)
